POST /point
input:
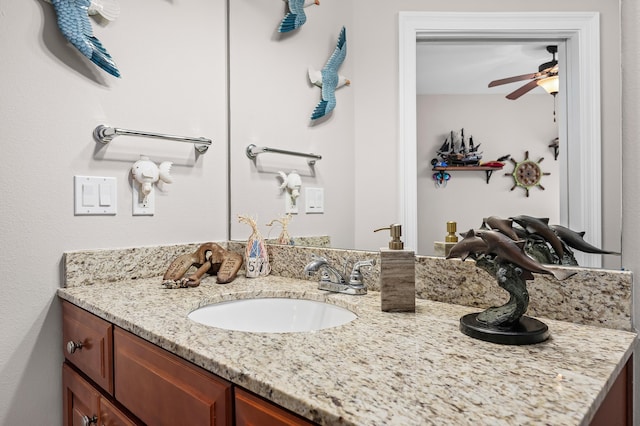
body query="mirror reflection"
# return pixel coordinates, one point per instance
(358, 173)
(461, 107)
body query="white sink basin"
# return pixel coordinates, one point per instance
(272, 315)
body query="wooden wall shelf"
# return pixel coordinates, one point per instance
(487, 169)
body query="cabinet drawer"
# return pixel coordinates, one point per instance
(83, 404)
(88, 344)
(253, 410)
(79, 398)
(163, 389)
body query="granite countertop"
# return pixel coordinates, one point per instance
(382, 368)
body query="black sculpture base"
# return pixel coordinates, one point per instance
(526, 331)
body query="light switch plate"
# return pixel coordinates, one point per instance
(95, 195)
(314, 200)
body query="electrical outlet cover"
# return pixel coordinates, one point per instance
(291, 205)
(143, 209)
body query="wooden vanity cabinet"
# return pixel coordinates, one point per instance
(114, 378)
(163, 389)
(617, 407)
(110, 415)
(80, 399)
(85, 405)
(88, 344)
(251, 410)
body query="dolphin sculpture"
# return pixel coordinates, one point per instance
(541, 227)
(328, 79)
(296, 16)
(574, 240)
(512, 251)
(73, 21)
(470, 244)
(503, 225)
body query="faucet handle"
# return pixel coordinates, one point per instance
(356, 275)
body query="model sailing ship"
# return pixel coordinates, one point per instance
(458, 152)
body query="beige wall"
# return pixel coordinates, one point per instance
(510, 128)
(630, 158)
(172, 59)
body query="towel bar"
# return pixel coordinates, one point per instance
(106, 134)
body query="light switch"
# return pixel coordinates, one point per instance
(105, 194)
(94, 195)
(89, 196)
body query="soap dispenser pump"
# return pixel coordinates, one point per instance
(397, 274)
(396, 232)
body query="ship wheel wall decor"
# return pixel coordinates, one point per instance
(527, 173)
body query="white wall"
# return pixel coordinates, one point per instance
(512, 127)
(630, 156)
(271, 102)
(172, 59)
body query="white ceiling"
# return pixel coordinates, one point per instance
(467, 67)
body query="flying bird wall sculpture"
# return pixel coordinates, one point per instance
(296, 17)
(328, 78)
(108, 9)
(74, 23)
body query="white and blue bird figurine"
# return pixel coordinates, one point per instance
(108, 9)
(296, 17)
(74, 23)
(328, 78)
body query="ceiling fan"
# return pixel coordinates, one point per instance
(547, 77)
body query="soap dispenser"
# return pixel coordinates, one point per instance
(397, 274)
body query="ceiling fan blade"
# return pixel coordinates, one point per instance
(522, 90)
(513, 79)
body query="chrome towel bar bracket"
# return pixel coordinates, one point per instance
(105, 134)
(253, 151)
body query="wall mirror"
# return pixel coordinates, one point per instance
(580, 176)
(270, 108)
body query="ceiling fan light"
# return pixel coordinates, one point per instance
(549, 84)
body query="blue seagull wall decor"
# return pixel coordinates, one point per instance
(296, 16)
(73, 21)
(329, 79)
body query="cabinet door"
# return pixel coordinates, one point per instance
(163, 389)
(617, 407)
(110, 415)
(252, 410)
(88, 344)
(80, 399)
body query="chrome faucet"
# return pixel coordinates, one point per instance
(333, 280)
